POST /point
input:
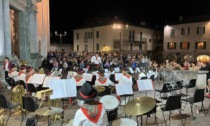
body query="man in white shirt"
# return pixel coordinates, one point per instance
(96, 62)
(92, 112)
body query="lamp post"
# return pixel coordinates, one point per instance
(60, 35)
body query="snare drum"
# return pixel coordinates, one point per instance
(110, 102)
(124, 122)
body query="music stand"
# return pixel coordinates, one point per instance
(145, 85)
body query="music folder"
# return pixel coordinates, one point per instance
(46, 81)
(124, 89)
(62, 88)
(38, 79)
(144, 85)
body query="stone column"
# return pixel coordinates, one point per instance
(7, 32)
(2, 51)
(23, 37)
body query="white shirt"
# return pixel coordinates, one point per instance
(141, 75)
(13, 74)
(96, 60)
(6, 66)
(107, 83)
(79, 82)
(81, 120)
(125, 80)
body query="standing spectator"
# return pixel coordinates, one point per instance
(7, 66)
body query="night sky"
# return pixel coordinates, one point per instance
(66, 15)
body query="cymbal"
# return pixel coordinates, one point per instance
(139, 106)
(48, 111)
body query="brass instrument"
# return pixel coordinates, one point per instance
(41, 71)
(17, 92)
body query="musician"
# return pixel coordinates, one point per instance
(92, 112)
(7, 66)
(141, 74)
(126, 78)
(79, 78)
(13, 72)
(29, 74)
(206, 67)
(102, 81)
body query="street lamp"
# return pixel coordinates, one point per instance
(60, 35)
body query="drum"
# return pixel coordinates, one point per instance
(110, 102)
(124, 122)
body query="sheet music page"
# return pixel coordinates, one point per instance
(118, 76)
(131, 70)
(117, 69)
(38, 78)
(106, 75)
(144, 85)
(70, 89)
(88, 77)
(58, 89)
(46, 80)
(123, 89)
(22, 77)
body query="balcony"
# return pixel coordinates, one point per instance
(140, 40)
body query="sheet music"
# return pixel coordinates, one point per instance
(131, 70)
(117, 69)
(38, 78)
(123, 89)
(46, 80)
(88, 77)
(144, 85)
(118, 76)
(62, 88)
(22, 77)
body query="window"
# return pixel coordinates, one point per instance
(97, 47)
(97, 34)
(131, 35)
(184, 45)
(86, 48)
(185, 31)
(77, 36)
(77, 47)
(171, 45)
(200, 30)
(172, 33)
(90, 35)
(86, 35)
(200, 45)
(116, 45)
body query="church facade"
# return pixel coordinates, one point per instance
(24, 29)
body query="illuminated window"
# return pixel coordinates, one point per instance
(171, 45)
(184, 45)
(200, 45)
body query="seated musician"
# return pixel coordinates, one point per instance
(13, 72)
(141, 74)
(29, 74)
(126, 78)
(79, 80)
(102, 81)
(92, 112)
(22, 71)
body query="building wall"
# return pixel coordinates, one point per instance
(192, 37)
(108, 35)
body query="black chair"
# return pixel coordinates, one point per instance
(167, 88)
(31, 88)
(10, 81)
(7, 105)
(152, 77)
(29, 105)
(172, 103)
(197, 97)
(191, 84)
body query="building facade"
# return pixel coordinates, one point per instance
(115, 37)
(24, 29)
(186, 40)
